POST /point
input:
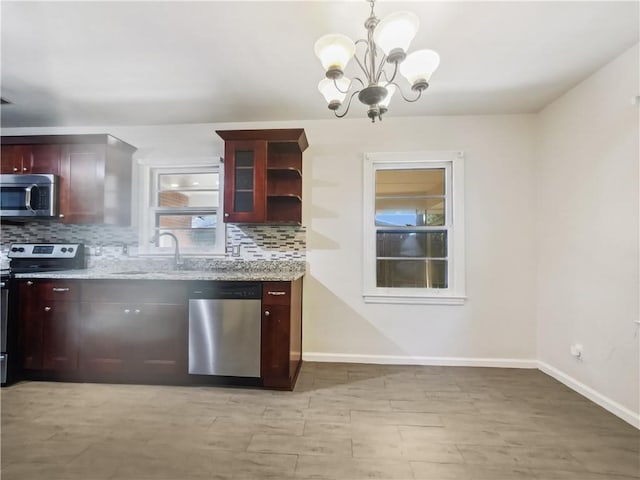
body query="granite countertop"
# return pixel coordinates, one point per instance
(269, 271)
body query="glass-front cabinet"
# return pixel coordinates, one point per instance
(244, 179)
(263, 175)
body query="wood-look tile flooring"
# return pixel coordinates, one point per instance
(343, 421)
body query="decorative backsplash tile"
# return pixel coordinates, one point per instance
(53, 232)
(255, 242)
(268, 242)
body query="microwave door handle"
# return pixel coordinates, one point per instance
(27, 197)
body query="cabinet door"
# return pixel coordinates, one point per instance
(244, 181)
(104, 338)
(82, 170)
(274, 361)
(30, 325)
(159, 340)
(59, 336)
(11, 161)
(44, 159)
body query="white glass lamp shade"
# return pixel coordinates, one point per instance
(335, 51)
(391, 89)
(331, 94)
(396, 31)
(418, 67)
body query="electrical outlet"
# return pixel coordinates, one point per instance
(576, 351)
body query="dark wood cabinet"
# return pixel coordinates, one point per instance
(48, 325)
(137, 331)
(94, 170)
(281, 343)
(30, 159)
(134, 330)
(263, 175)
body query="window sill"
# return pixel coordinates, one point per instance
(415, 299)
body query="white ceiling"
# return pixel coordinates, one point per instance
(152, 62)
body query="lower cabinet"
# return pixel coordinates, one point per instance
(281, 344)
(134, 331)
(49, 326)
(137, 331)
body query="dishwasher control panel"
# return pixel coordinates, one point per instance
(225, 290)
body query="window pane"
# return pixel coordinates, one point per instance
(411, 273)
(409, 211)
(191, 230)
(411, 244)
(187, 181)
(428, 181)
(410, 197)
(179, 199)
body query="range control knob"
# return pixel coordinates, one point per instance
(21, 249)
(63, 249)
(70, 249)
(14, 249)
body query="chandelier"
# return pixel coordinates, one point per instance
(383, 54)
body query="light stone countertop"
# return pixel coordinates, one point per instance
(243, 271)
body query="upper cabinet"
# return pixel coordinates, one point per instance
(263, 175)
(94, 173)
(30, 159)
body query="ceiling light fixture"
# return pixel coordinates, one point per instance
(384, 54)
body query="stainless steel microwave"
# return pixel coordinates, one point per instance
(24, 197)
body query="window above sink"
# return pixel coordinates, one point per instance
(184, 200)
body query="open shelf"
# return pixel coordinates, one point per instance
(284, 208)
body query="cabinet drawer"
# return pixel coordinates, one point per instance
(131, 291)
(58, 290)
(276, 293)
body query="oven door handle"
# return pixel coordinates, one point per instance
(27, 197)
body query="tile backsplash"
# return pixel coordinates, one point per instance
(255, 242)
(53, 232)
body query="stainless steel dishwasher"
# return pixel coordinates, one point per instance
(224, 328)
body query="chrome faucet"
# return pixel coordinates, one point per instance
(177, 260)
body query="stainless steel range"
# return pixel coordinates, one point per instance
(46, 257)
(29, 258)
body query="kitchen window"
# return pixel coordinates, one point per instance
(413, 228)
(187, 202)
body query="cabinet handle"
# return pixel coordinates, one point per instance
(47, 309)
(267, 313)
(226, 214)
(57, 289)
(25, 169)
(61, 215)
(29, 283)
(277, 294)
(15, 169)
(126, 310)
(137, 311)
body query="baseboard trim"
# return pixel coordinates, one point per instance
(413, 360)
(612, 406)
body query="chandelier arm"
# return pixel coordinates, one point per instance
(410, 100)
(393, 77)
(380, 69)
(362, 67)
(348, 105)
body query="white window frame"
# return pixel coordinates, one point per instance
(453, 162)
(150, 171)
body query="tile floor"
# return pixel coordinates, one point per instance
(343, 421)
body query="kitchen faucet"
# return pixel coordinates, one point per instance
(177, 261)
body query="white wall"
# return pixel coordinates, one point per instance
(587, 236)
(497, 323)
